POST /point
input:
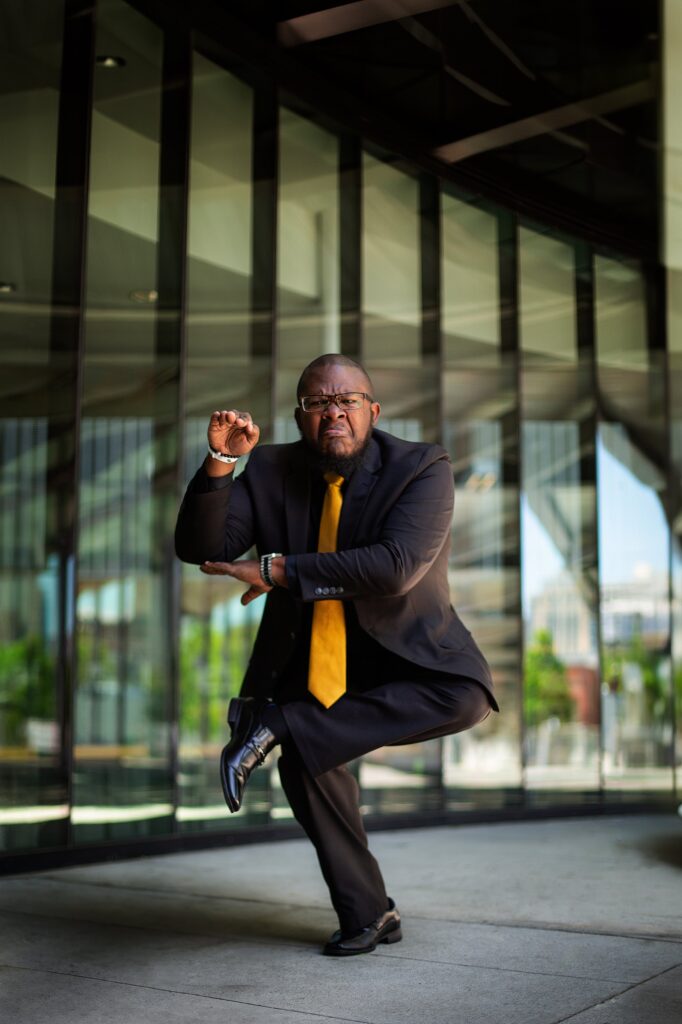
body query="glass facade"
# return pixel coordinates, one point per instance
(181, 233)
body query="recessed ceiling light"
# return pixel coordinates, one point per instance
(144, 295)
(7, 287)
(105, 60)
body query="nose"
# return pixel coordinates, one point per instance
(333, 411)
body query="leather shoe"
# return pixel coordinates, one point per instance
(251, 742)
(386, 928)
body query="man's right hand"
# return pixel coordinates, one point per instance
(232, 432)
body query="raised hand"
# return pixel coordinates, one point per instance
(232, 432)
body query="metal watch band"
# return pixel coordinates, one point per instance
(220, 457)
(266, 567)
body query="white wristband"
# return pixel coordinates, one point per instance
(220, 457)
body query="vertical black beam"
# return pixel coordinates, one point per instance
(430, 297)
(588, 434)
(66, 330)
(350, 244)
(508, 276)
(264, 237)
(431, 347)
(510, 426)
(656, 326)
(170, 353)
(265, 165)
(429, 221)
(265, 160)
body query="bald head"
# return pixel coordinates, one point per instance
(332, 359)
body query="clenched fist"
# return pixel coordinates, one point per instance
(232, 432)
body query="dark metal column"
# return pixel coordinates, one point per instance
(63, 398)
(170, 350)
(350, 244)
(510, 426)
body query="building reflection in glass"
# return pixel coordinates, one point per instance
(637, 729)
(37, 439)
(540, 365)
(482, 767)
(558, 517)
(222, 371)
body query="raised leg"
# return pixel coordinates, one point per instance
(394, 713)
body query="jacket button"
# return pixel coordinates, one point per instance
(292, 635)
(325, 590)
(318, 590)
(332, 590)
(339, 590)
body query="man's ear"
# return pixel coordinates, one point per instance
(297, 416)
(376, 412)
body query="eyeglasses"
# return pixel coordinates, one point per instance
(346, 402)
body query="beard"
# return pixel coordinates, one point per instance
(342, 465)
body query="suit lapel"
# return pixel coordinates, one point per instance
(297, 503)
(359, 488)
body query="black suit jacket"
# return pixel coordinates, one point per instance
(391, 559)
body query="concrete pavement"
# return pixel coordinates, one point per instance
(515, 923)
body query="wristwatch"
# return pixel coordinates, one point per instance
(266, 567)
(220, 457)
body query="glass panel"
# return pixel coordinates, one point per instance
(216, 631)
(397, 779)
(558, 522)
(122, 781)
(675, 392)
(671, 242)
(470, 284)
(483, 764)
(36, 434)
(308, 278)
(391, 295)
(633, 539)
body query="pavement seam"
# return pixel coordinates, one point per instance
(630, 988)
(211, 941)
(190, 894)
(507, 970)
(414, 917)
(180, 992)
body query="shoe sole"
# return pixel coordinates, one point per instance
(392, 936)
(233, 806)
(239, 718)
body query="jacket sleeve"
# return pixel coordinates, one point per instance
(409, 541)
(214, 525)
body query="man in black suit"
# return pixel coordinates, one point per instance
(359, 645)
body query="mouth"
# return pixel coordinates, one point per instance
(334, 432)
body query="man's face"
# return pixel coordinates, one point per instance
(334, 432)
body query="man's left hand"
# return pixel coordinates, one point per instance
(248, 571)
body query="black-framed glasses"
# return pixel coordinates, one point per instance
(347, 401)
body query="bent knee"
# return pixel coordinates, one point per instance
(470, 703)
(478, 705)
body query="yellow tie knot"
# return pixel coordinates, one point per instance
(333, 479)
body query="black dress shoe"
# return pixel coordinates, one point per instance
(386, 928)
(251, 742)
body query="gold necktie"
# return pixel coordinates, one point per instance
(327, 670)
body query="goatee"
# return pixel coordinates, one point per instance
(342, 465)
